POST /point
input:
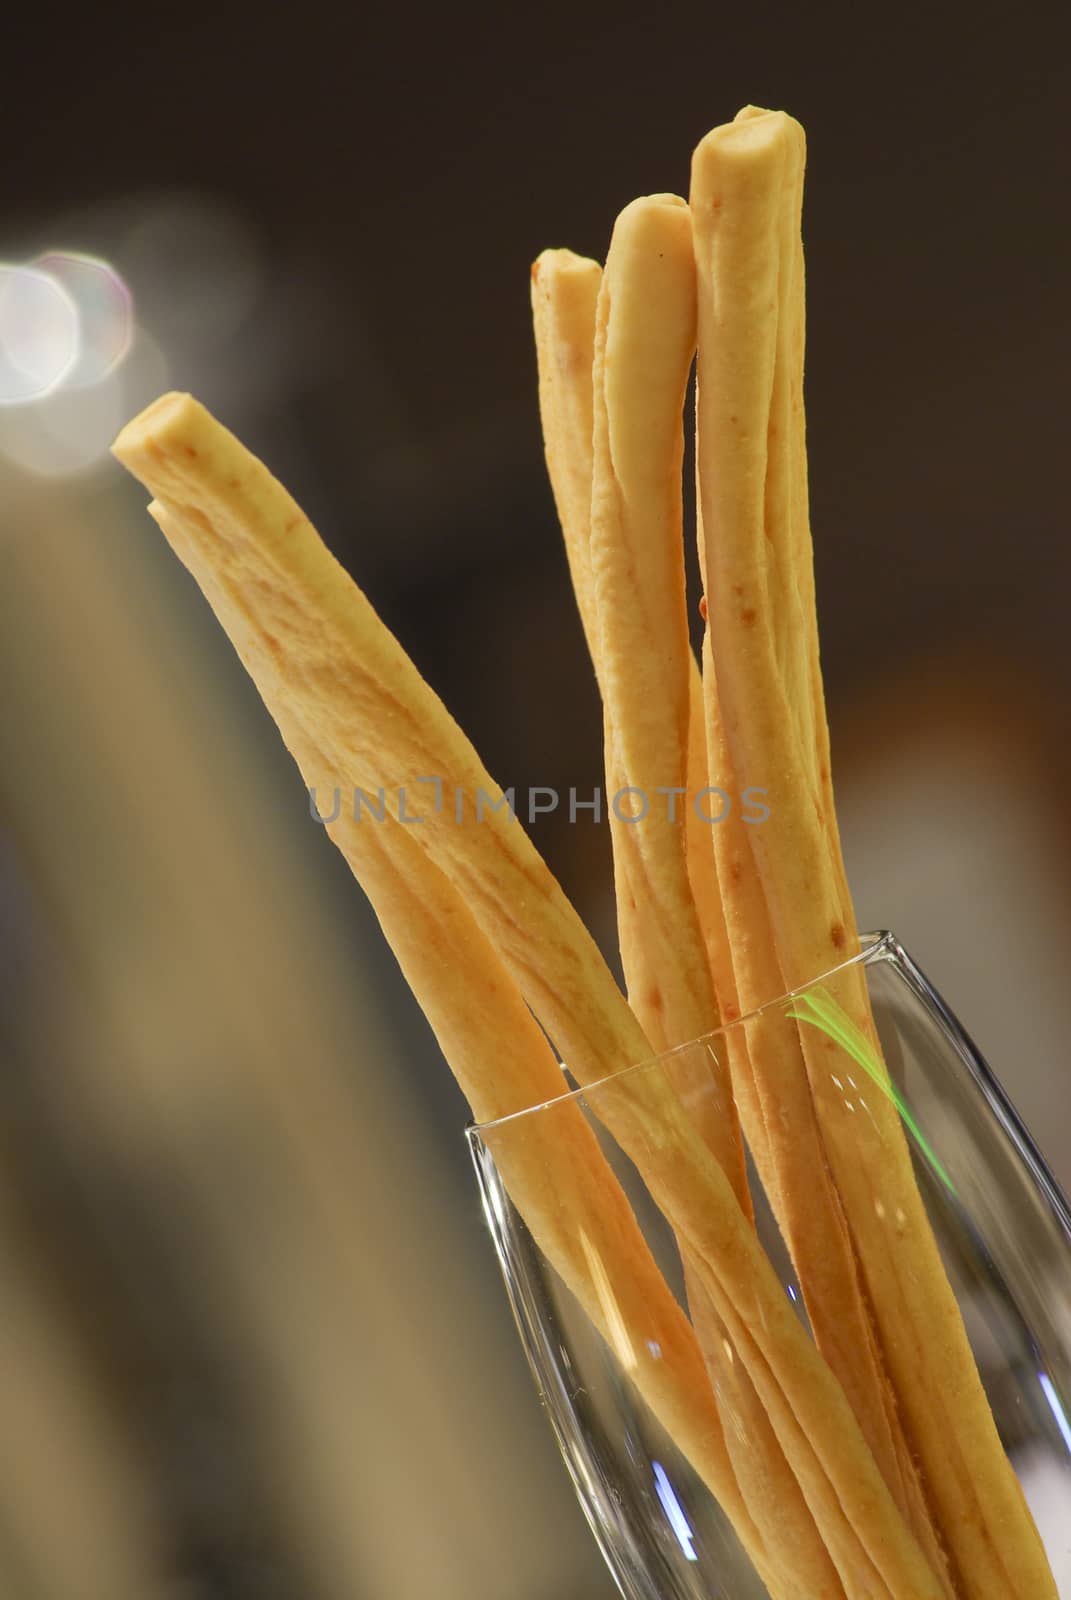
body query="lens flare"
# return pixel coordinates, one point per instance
(40, 334)
(68, 431)
(105, 312)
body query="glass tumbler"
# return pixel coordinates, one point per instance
(1001, 1225)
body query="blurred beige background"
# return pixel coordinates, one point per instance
(252, 1340)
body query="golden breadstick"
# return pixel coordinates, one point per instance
(807, 1203)
(981, 1512)
(710, 902)
(797, 1181)
(867, 1570)
(738, 173)
(767, 1483)
(778, 1116)
(563, 338)
(644, 343)
(789, 545)
(702, 867)
(361, 694)
(565, 292)
(362, 691)
(803, 674)
(864, 1532)
(804, 556)
(789, 560)
(737, 179)
(805, 1199)
(645, 337)
(560, 1181)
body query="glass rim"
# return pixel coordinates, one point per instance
(872, 947)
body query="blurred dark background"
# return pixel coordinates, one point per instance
(234, 1196)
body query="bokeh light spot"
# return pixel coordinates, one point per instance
(40, 335)
(68, 431)
(105, 311)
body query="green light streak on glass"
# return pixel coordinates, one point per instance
(824, 1013)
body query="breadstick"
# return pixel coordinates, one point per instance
(807, 1202)
(768, 1485)
(737, 179)
(801, 1190)
(564, 339)
(702, 866)
(703, 874)
(789, 559)
(362, 690)
(560, 1181)
(645, 336)
(804, 674)
(864, 1532)
(361, 694)
(778, 1116)
(565, 292)
(789, 545)
(644, 343)
(738, 173)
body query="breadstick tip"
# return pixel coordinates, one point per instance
(752, 113)
(560, 264)
(171, 412)
(754, 138)
(658, 201)
(654, 226)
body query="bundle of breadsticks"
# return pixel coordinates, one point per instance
(862, 1464)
